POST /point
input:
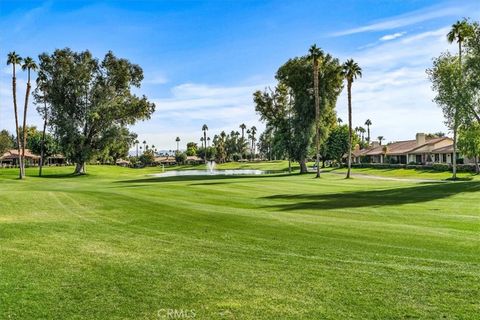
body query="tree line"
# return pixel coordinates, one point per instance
(87, 104)
(299, 112)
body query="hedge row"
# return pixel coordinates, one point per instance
(435, 166)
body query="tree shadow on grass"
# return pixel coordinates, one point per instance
(206, 179)
(372, 198)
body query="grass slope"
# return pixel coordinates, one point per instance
(118, 244)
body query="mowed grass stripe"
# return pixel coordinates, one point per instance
(276, 247)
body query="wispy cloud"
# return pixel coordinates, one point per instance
(395, 92)
(408, 19)
(392, 36)
(222, 108)
(156, 79)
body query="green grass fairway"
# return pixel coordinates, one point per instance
(119, 244)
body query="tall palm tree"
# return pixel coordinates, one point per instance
(368, 123)
(339, 120)
(136, 144)
(362, 132)
(459, 32)
(380, 139)
(29, 65)
(205, 129)
(14, 59)
(243, 127)
(208, 142)
(315, 54)
(351, 70)
(144, 145)
(178, 141)
(253, 130)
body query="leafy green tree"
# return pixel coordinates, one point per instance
(180, 157)
(275, 108)
(469, 143)
(451, 95)
(472, 71)
(351, 70)
(7, 141)
(14, 59)
(459, 32)
(337, 144)
(147, 158)
(36, 141)
(88, 97)
(296, 75)
(192, 149)
(116, 144)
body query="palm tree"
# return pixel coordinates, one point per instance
(351, 70)
(368, 123)
(253, 130)
(136, 144)
(14, 59)
(205, 129)
(243, 127)
(208, 140)
(315, 54)
(339, 120)
(178, 141)
(144, 144)
(459, 32)
(380, 139)
(362, 132)
(28, 64)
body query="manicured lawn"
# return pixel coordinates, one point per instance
(409, 173)
(119, 244)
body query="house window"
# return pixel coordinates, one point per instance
(418, 158)
(444, 156)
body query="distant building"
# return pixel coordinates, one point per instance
(422, 150)
(10, 158)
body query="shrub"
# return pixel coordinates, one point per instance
(180, 157)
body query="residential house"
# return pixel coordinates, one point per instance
(422, 150)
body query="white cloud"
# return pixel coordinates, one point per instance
(156, 79)
(222, 108)
(392, 36)
(410, 18)
(395, 92)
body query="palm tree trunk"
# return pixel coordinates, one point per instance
(14, 89)
(42, 150)
(454, 160)
(317, 115)
(368, 129)
(205, 142)
(455, 120)
(24, 143)
(349, 160)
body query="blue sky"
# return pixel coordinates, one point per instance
(202, 60)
